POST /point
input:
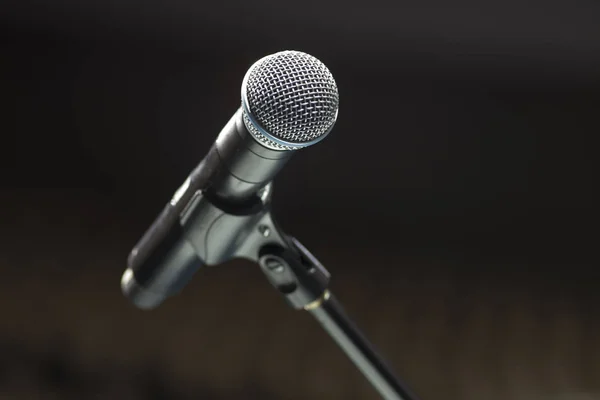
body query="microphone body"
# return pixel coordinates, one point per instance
(227, 181)
(289, 100)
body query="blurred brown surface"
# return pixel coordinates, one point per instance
(453, 331)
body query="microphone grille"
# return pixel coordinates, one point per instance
(290, 100)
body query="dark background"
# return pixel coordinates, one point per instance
(452, 202)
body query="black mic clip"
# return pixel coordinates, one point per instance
(295, 273)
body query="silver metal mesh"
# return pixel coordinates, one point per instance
(292, 96)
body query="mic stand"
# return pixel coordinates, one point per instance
(199, 222)
(303, 281)
(298, 276)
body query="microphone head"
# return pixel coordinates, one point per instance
(289, 100)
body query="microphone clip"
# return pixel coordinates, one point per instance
(295, 273)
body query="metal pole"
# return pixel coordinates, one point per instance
(330, 314)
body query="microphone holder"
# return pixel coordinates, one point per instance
(303, 281)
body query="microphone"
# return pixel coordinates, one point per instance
(289, 101)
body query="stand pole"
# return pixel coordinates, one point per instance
(303, 281)
(328, 311)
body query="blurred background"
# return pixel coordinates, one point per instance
(452, 203)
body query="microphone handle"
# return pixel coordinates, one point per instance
(162, 261)
(229, 180)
